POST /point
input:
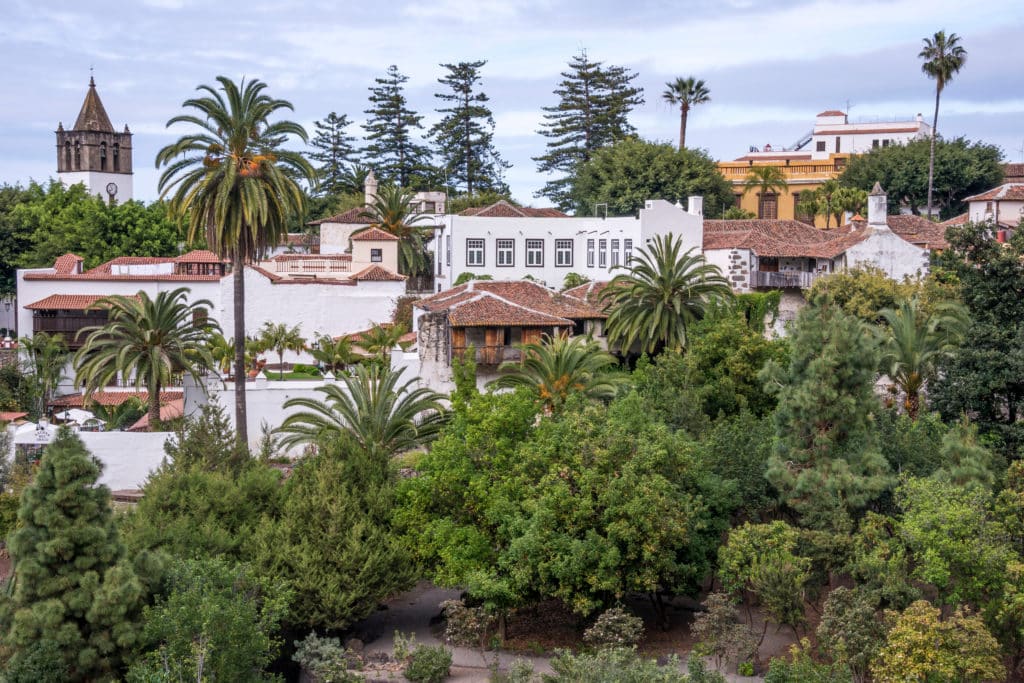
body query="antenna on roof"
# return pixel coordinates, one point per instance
(1021, 151)
(605, 205)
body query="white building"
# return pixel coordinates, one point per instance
(94, 154)
(513, 243)
(1002, 206)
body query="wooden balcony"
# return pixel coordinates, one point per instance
(68, 325)
(490, 355)
(784, 280)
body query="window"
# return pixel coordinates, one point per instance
(448, 250)
(629, 251)
(534, 253)
(615, 252)
(886, 143)
(475, 253)
(103, 156)
(820, 146)
(376, 255)
(874, 144)
(505, 253)
(429, 207)
(738, 199)
(602, 254)
(117, 157)
(563, 253)
(837, 144)
(590, 253)
(67, 156)
(768, 206)
(78, 156)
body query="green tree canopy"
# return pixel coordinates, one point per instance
(335, 153)
(626, 174)
(390, 125)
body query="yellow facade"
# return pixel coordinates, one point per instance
(802, 175)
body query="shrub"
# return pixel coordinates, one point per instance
(720, 633)
(429, 664)
(614, 665)
(800, 668)
(326, 660)
(615, 627)
(467, 626)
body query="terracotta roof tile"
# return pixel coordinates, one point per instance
(1013, 192)
(1013, 173)
(503, 209)
(375, 273)
(590, 292)
(67, 302)
(832, 112)
(484, 303)
(373, 235)
(200, 256)
(168, 411)
(11, 416)
(781, 238)
(68, 263)
(956, 220)
(114, 398)
(919, 231)
(351, 216)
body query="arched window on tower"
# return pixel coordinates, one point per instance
(103, 156)
(78, 155)
(67, 155)
(117, 157)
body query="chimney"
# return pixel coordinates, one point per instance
(919, 118)
(695, 205)
(878, 209)
(371, 187)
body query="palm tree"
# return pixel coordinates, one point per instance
(381, 415)
(43, 357)
(560, 366)
(222, 351)
(335, 354)
(943, 58)
(391, 210)
(232, 182)
(663, 291)
(915, 341)
(686, 92)
(152, 340)
(380, 339)
(765, 180)
(280, 338)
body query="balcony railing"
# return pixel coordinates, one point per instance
(783, 280)
(313, 266)
(491, 355)
(67, 326)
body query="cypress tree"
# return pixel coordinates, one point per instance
(465, 135)
(827, 464)
(334, 150)
(73, 586)
(392, 153)
(593, 111)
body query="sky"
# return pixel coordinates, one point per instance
(770, 66)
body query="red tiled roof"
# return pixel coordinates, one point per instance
(781, 238)
(956, 220)
(351, 216)
(68, 263)
(590, 291)
(832, 112)
(104, 271)
(374, 235)
(200, 256)
(919, 231)
(11, 416)
(1013, 173)
(519, 302)
(114, 398)
(503, 209)
(168, 411)
(67, 302)
(1013, 192)
(375, 273)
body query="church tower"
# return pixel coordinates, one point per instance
(94, 154)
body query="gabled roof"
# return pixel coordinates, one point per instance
(1013, 192)
(168, 411)
(66, 268)
(590, 291)
(93, 116)
(1013, 173)
(781, 238)
(919, 231)
(482, 303)
(67, 302)
(376, 273)
(374, 235)
(503, 209)
(956, 220)
(200, 256)
(68, 263)
(351, 216)
(114, 398)
(832, 112)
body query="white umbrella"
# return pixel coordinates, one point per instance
(75, 415)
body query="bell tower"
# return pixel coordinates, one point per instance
(95, 154)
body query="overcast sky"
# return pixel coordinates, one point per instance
(770, 65)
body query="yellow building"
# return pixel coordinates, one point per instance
(819, 155)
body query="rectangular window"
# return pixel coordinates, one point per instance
(563, 253)
(886, 143)
(475, 253)
(615, 252)
(874, 144)
(629, 251)
(448, 250)
(837, 144)
(737, 200)
(505, 253)
(376, 255)
(534, 253)
(768, 206)
(602, 254)
(590, 253)
(820, 146)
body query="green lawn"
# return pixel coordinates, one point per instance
(275, 375)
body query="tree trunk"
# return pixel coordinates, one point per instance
(913, 404)
(238, 278)
(931, 154)
(154, 406)
(682, 128)
(280, 366)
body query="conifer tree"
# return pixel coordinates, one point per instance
(593, 111)
(465, 135)
(392, 152)
(73, 586)
(334, 153)
(826, 463)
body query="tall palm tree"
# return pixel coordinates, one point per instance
(560, 366)
(150, 340)
(232, 182)
(280, 338)
(765, 180)
(391, 210)
(381, 415)
(943, 58)
(380, 339)
(915, 341)
(335, 354)
(43, 357)
(663, 291)
(222, 350)
(685, 92)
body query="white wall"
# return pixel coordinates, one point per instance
(886, 250)
(96, 183)
(1009, 212)
(128, 457)
(334, 236)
